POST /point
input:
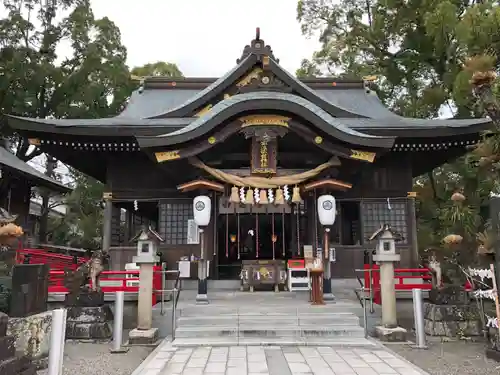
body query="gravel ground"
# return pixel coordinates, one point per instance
(95, 359)
(449, 358)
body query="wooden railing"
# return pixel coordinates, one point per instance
(110, 282)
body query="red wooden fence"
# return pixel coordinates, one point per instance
(406, 279)
(110, 281)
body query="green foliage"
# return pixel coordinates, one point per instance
(92, 81)
(418, 50)
(158, 69)
(82, 225)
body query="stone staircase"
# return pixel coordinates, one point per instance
(332, 325)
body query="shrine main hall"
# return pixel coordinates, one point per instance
(263, 145)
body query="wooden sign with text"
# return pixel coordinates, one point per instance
(263, 156)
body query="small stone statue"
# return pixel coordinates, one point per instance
(76, 281)
(437, 274)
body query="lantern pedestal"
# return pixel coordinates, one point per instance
(202, 297)
(144, 333)
(327, 282)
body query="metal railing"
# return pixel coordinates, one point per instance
(176, 292)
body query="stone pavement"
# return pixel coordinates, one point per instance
(274, 360)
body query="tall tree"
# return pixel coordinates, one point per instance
(157, 69)
(417, 48)
(82, 224)
(91, 80)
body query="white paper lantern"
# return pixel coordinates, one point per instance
(326, 209)
(202, 206)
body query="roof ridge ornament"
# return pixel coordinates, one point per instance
(257, 47)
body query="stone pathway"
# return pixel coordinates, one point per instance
(274, 360)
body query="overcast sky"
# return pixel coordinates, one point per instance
(205, 37)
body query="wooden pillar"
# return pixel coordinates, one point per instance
(412, 230)
(106, 225)
(115, 226)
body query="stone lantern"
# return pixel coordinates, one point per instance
(147, 244)
(386, 256)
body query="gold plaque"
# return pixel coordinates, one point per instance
(167, 155)
(363, 155)
(412, 194)
(34, 141)
(107, 195)
(266, 120)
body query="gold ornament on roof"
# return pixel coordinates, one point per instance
(212, 140)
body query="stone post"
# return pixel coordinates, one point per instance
(386, 256)
(388, 292)
(201, 297)
(145, 333)
(327, 275)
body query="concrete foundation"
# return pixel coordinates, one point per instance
(143, 336)
(396, 334)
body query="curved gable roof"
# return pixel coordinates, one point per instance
(267, 100)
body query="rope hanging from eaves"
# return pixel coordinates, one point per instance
(263, 182)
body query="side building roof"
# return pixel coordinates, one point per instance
(37, 178)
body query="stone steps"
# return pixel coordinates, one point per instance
(278, 310)
(304, 319)
(271, 331)
(270, 325)
(281, 341)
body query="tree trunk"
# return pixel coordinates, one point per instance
(50, 166)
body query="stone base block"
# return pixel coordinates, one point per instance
(397, 334)
(86, 298)
(89, 323)
(202, 299)
(143, 337)
(493, 354)
(32, 335)
(89, 331)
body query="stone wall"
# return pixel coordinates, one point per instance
(32, 336)
(10, 362)
(452, 320)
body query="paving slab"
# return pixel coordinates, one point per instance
(275, 360)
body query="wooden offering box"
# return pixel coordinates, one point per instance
(262, 273)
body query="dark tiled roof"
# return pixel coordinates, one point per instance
(9, 160)
(294, 103)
